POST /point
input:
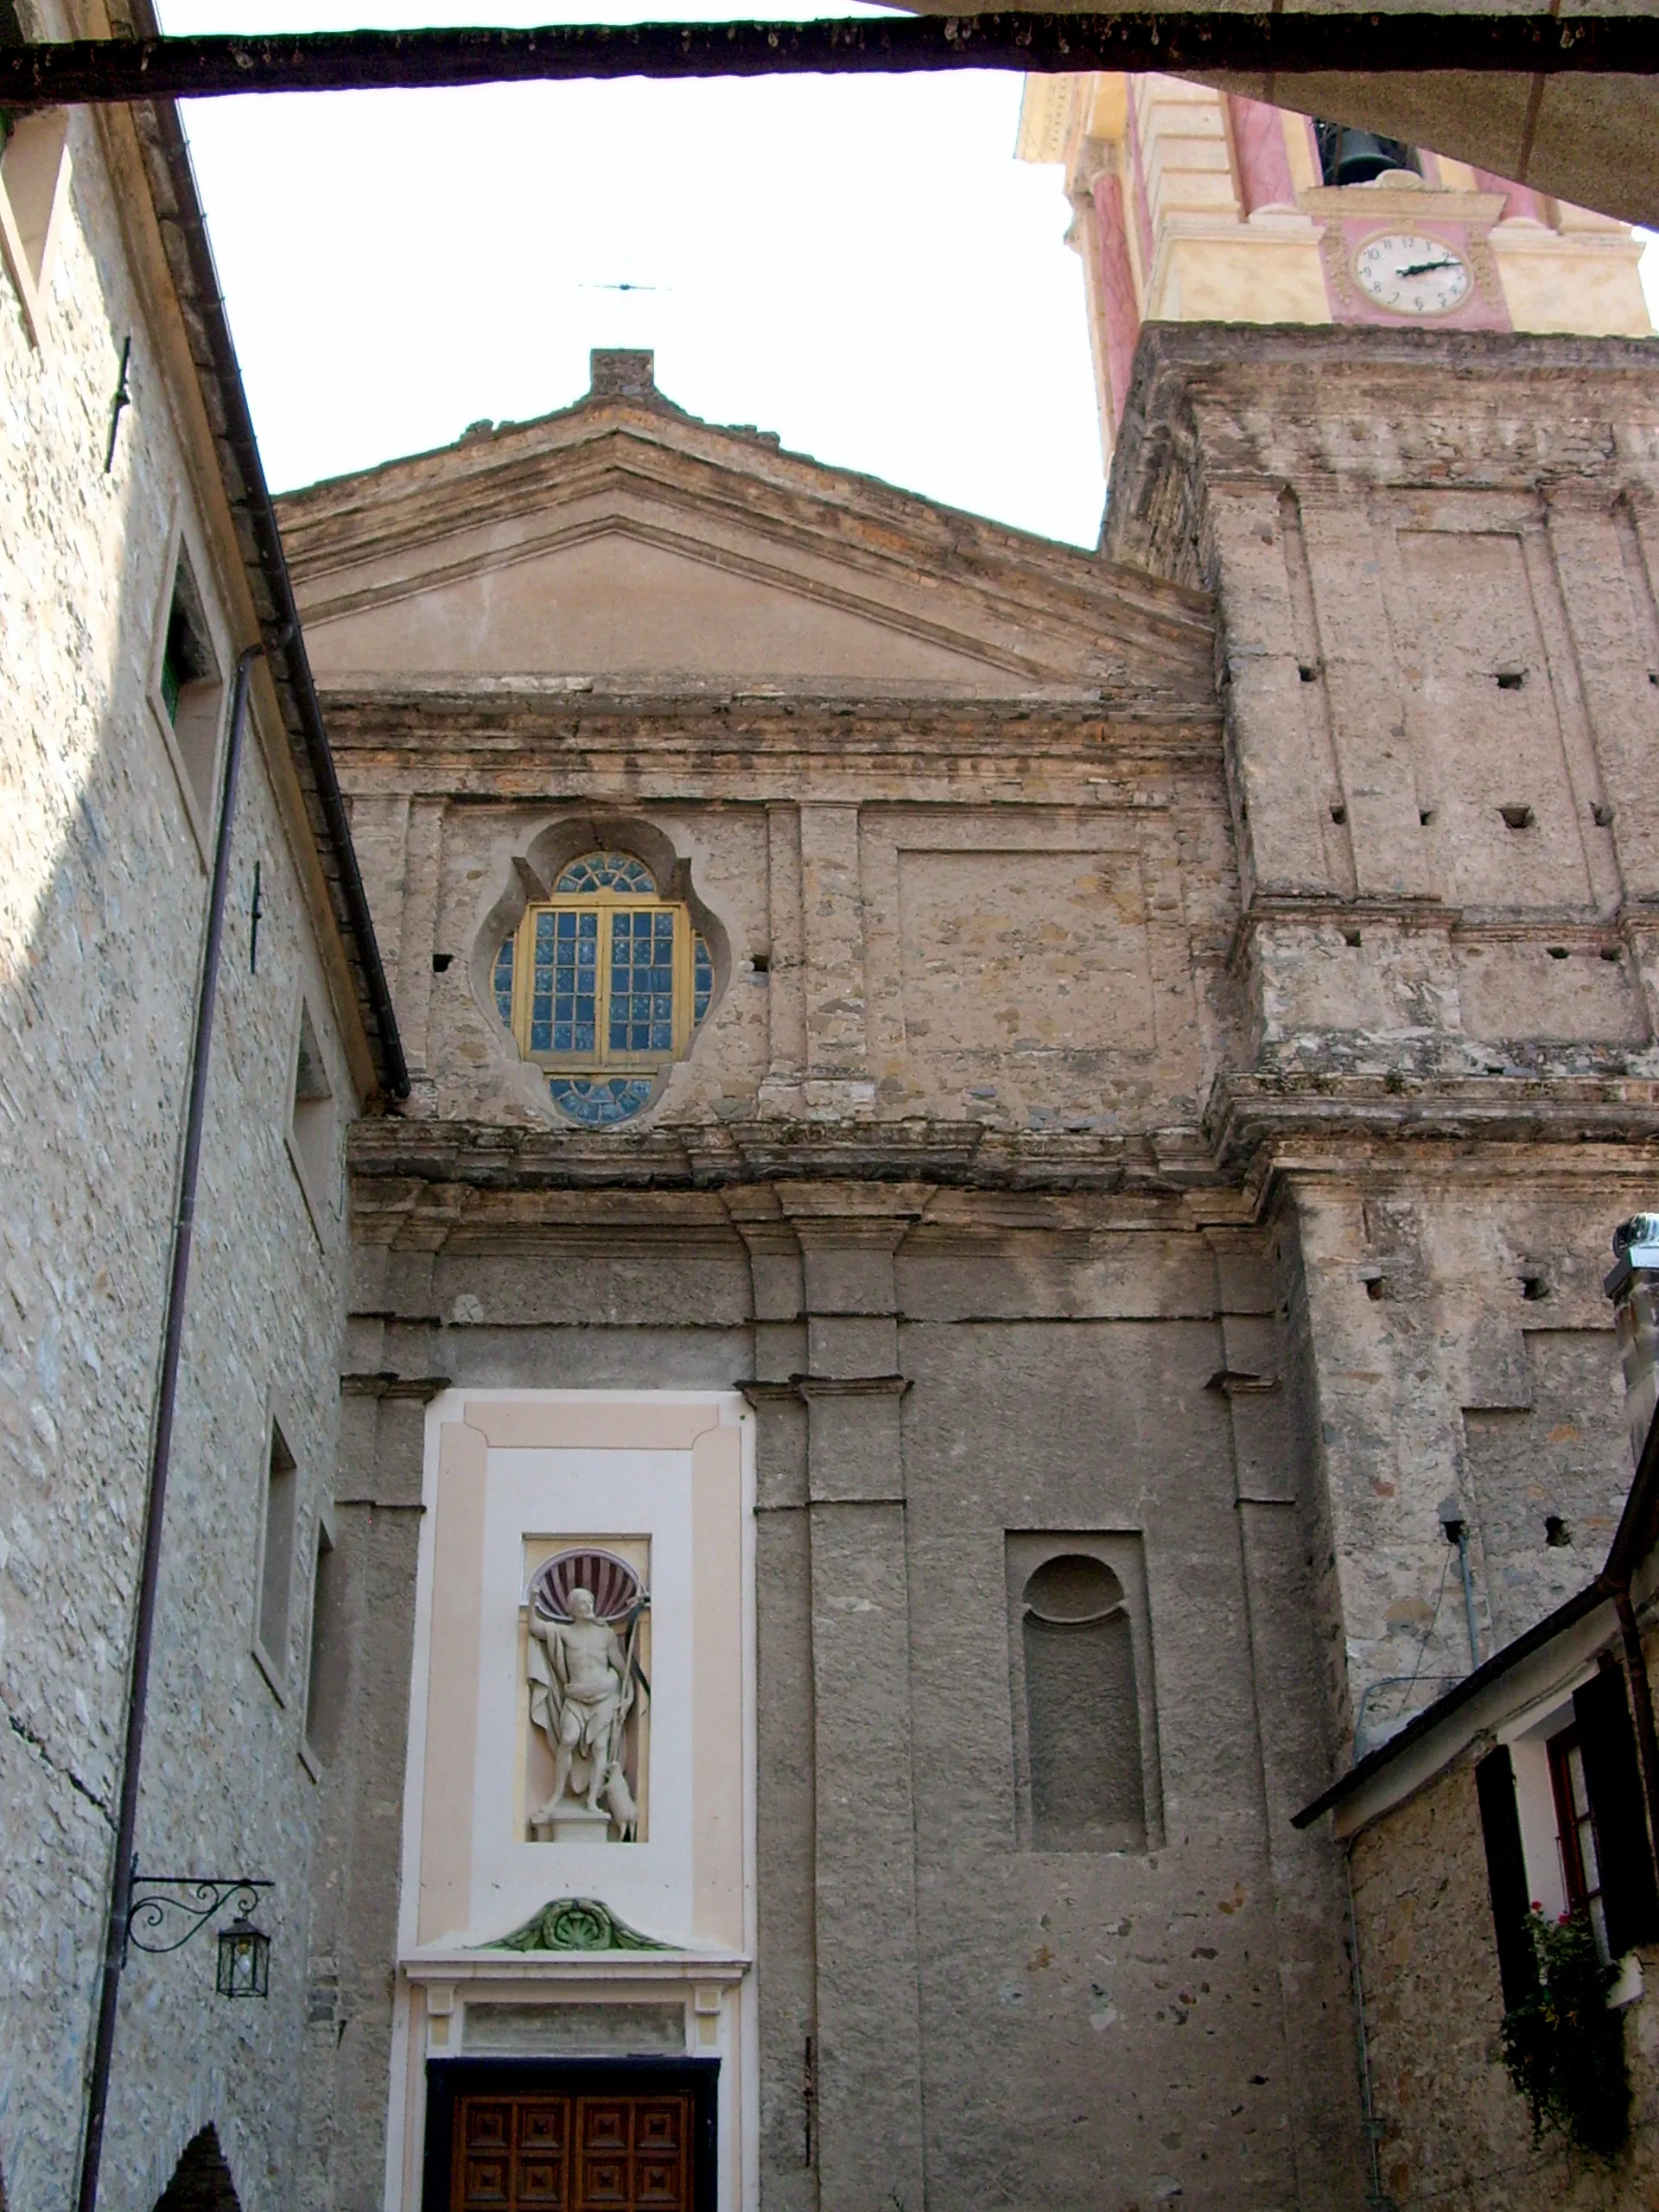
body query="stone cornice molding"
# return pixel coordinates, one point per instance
(386, 1383)
(1252, 1119)
(1608, 933)
(805, 1388)
(437, 1157)
(422, 1186)
(439, 716)
(1565, 417)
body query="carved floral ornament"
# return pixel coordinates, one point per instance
(575, 1924)
(601, 963)
(585, 1608)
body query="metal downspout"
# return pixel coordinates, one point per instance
(115, 1946)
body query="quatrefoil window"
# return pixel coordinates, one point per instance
(602, 984)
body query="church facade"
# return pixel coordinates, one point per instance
(981, 1148)
(1123, 1145)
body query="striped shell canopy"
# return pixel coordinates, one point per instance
(617, 1589)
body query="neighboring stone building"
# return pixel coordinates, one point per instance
(1528, 1789)
(1197, 206)
(133, 575)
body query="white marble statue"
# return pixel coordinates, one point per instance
(580, 1694)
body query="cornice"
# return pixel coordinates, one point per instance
(505, 752)
(596, 706)
(1250, 1119)
(1605, 933)
(430, 1183)
(456, 1155)
(1342, 411)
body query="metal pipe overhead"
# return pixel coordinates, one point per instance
(1183, 43)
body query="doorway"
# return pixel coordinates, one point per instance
(562, 2136)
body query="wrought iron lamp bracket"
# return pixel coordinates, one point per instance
(152, 1917)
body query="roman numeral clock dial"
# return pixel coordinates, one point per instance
(1413, 276)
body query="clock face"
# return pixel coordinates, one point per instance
(1413, 276)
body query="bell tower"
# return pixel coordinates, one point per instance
(1197, 206)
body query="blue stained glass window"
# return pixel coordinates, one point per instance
(607, 872)
(599, 1103)
(642, 982)
(702, 975)
(504, 982)
(563, 999)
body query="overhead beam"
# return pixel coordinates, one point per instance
(78, 71)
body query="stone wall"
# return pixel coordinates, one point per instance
(1052, 968)
(1454, 2133)
(103, 891)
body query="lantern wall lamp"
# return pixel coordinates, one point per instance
(160, 1921)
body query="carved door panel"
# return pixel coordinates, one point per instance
(572, 2154)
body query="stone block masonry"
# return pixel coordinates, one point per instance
(103, 884)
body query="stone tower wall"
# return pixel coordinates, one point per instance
(1439, 661)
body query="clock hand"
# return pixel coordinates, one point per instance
(1426, 268)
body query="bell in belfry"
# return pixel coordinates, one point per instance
(1362, 156)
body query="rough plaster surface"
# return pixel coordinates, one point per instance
(102, 902)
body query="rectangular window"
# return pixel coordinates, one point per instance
(276, 1559)
(190, 695)
(313, 1123)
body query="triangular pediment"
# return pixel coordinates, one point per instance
(623, 538)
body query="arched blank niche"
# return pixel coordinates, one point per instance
(1081, 1704)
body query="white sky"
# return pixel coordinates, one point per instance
(858, 263)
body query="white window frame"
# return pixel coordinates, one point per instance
(1528, 1736)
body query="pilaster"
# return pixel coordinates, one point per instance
(837, 1076)
(824, 1282)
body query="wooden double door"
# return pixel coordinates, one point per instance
(574, 2150)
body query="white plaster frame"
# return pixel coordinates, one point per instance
(449, 1969)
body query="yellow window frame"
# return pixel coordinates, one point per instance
(602, 1060)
